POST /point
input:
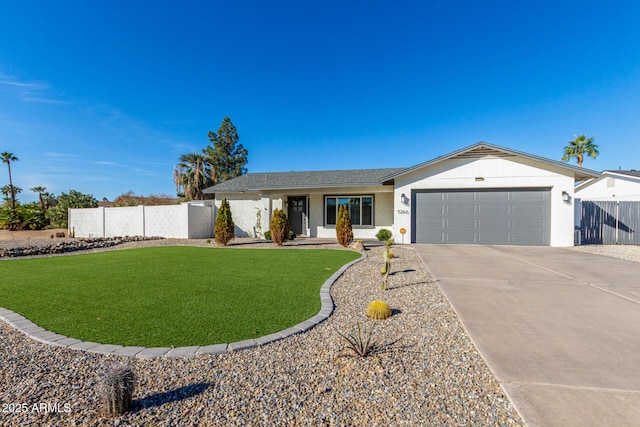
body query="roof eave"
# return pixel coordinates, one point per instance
(580, 173)
(298, 187)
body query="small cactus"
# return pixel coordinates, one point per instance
(386, 268)
(116, 390)
(379, 310)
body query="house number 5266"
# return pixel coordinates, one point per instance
(403, 212)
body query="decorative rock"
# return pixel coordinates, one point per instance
(424, 370)
(69, 246)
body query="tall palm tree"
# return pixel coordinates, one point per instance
(579, 147)
(8, 158)
(194, 173)
(40, 190)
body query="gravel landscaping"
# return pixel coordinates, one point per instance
(627, 252)
(423, 370)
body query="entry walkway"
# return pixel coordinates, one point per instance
(560, 329)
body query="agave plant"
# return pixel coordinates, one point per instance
(359, 341)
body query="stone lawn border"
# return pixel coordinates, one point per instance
(39, 334)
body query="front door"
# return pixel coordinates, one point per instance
(297, 214)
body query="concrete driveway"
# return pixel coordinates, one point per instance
(560, 329)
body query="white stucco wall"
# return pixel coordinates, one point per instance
(382, 212)
(244, 209)
(609, 187)
(166, 221)
(124, 221)
(497, 173)
(183, 221)
(86, 222)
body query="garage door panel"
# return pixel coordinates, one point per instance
(493, 196)
(459, 223)
(520, 217)
(494, 223)
(436, 223)
(460, 236)
(528, 224)
(493, 238)
(535, 209)
(493, 209)
(459, 209)
(432, 209)
(523, 238)
(459, 197)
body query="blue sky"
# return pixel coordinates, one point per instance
(103, 97)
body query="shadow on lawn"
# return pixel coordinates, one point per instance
(159, 399)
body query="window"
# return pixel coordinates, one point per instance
(360, 209)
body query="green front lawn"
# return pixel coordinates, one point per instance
(170, 296)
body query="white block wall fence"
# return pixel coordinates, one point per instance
(193, 220)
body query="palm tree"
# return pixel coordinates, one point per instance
(10, 191)
(580, 146)
(40, 190)
(48, 200)
(8, 158)
(193, 174)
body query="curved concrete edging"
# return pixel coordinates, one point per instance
(39, 334)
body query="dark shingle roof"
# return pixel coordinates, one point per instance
(631, 172)
(310, 179)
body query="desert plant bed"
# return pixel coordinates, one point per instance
(170, 296)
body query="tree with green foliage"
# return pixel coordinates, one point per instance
(40, 190)
(8, 158)
(279, 227)
(10, 192)
(58, 215)
(227, 156)
(193, 174)
(344, 229)
(24, 217)
(579, 147)
(224, 229)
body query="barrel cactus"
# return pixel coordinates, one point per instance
(116, 390)
(379, 310)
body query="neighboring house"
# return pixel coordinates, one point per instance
(480, 194)
(611, 185)
(608, 208)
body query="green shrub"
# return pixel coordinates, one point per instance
(383, 235)
(9, 218)
(224, 229)
(344, 230)
(24, 217)
(279, 227)
(267, 235)
(292, 234)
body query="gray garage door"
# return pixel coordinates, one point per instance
(515, 217)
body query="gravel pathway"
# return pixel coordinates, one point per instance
(423, 371)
